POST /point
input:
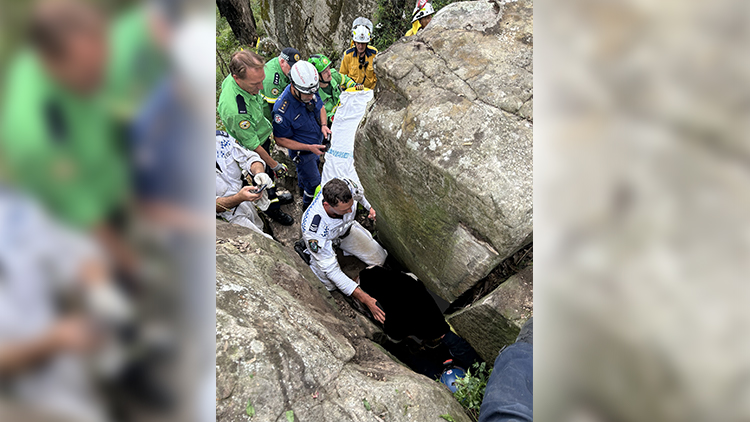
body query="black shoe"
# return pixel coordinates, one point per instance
(301, 249)
(280, 217)
(284, 197)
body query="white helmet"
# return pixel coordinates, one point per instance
(304, 77)
(361, 34)
(427, 10)
(360, 21)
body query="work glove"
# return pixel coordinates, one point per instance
(108, 304)
(263, 179)
(281, 170)
(359, 87)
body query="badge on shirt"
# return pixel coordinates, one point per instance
(277, 118)
(313, 245)
(245, 124)
(275, 91)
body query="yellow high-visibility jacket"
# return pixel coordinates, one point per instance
(361, 73)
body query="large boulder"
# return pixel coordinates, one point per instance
(282, 345)
(495, 321)
(445, 151)
(313, 26)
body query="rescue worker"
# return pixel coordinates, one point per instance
(330, 219)
(420, 18)
(358, 60)
(57, 139)
(277, 77)
(235, 203)
(241, 110)
(300, 123)
(331, 84)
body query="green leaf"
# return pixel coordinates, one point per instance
(290, 415)
(250, 409)
(367, 404)
(448, 418)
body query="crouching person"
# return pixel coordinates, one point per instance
(329, 220)
(236, 203)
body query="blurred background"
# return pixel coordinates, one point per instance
(642, 234)
(106, 228)
(641, 227)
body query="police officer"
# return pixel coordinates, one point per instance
(358, 60)
(240, 108)
(330, 219)
(331, 84)
(277, 77)
(300, 124)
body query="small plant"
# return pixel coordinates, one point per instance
(470, 389)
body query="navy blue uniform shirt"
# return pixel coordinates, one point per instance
(292, 120)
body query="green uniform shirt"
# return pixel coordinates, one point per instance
(242, 114)
(136, 64)
(274, 84)
(59, 146)
(338, 83)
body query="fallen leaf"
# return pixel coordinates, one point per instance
(250, 409)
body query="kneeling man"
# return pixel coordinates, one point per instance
(329, 220)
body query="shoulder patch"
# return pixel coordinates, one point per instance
(312, 244)
(241, 105)
(315, 223)
(278, 119)
(284, 105)
(245, 124)
(275, 91)
(276, 78)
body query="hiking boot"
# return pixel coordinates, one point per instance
(285, 197)
(280, 217)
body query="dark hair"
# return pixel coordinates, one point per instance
(54, 22)
(242, 60)
(335, 191)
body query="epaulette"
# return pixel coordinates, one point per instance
(284, 105)
(241, 105)
(351, 50)
(315, 223)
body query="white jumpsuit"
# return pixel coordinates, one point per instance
(231, 159)
(319, 231)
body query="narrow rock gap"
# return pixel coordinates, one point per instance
(523, 258)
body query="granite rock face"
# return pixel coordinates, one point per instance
(445, 150)
(282, 345)
(495, 321)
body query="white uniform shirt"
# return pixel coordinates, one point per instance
(231, 159)
(319, 231)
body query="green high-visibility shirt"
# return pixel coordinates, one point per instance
(242, 114)
(332, 93)
(273, 85)
(136, 64)
(60, 146)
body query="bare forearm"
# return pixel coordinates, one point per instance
(18, 357)
(363, 297)
(266, 157)
(227, 203)
(292, 144)
(323, 116)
